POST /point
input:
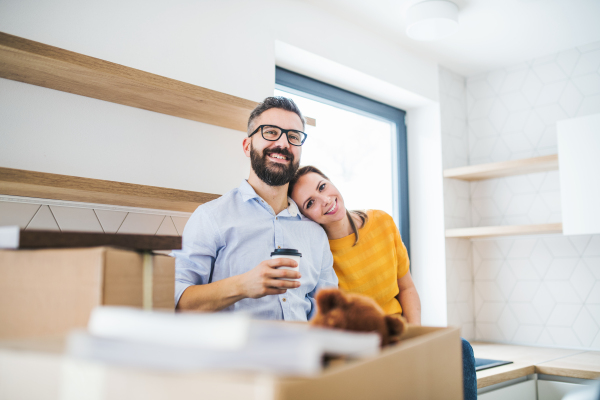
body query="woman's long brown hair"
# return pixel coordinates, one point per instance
(308, 169)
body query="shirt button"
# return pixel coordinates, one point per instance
(278, 247)
(276, 218)
(284, 300)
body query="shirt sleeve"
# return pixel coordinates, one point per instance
(200, 244)
(327, 278)
(401, 253)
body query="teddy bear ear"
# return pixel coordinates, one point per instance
(396, 324)
(329, 299)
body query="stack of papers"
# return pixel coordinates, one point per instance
(213, 341)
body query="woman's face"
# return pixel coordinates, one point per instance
(318, 199)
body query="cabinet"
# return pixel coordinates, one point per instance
(520, 391)
(551, 390)
(578, 146)
(533, 389)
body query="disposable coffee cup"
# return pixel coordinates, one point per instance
(288, 253)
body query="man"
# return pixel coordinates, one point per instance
(227, 243)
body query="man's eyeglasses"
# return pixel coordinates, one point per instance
(272, 133)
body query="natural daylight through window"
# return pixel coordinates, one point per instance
(353, 150)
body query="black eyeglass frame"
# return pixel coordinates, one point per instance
(282, 132)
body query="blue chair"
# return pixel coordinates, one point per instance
(469, 375)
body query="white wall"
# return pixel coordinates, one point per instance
(427, 212)
(457, 204)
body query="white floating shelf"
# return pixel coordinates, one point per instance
(508, 230)
(504, 168)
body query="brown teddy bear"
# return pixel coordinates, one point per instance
(356, 312)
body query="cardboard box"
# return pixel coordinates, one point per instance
(50, 292)
(426, 364)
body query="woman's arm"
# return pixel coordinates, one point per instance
(409, 299)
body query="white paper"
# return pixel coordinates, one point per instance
(218, 331)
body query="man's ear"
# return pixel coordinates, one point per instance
(246, 145)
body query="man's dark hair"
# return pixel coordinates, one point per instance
(274, 102)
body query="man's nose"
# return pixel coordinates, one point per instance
(283, 141)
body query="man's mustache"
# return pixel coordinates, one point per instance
(279, 150)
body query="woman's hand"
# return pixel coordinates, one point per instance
(409, 300)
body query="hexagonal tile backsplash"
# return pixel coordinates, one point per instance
(542, 290)
(538, 290)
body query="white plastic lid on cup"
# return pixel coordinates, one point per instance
(432, 20)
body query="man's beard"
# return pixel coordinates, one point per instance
(273, 174)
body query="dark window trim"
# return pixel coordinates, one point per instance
(324, 92)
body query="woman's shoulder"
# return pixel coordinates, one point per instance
(379, 215)
(377, 219)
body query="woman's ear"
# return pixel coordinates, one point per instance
(329, 299)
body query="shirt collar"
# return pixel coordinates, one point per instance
(248, 193)
(292, 209)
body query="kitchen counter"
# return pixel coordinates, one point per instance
(529, 360)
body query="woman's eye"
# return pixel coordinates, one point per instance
(310, 203)
(322, 187)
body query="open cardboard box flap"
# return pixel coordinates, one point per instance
(425, 364)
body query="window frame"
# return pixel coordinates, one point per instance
(295, 83)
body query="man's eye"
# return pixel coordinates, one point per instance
(310, 203)
(270, 132)
(322, 187)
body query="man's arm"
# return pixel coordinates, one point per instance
(258, 282)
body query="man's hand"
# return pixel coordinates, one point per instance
(262, 280)
(256, 283)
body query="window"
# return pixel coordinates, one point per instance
(358, 142)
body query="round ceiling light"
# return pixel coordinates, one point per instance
(432, 20)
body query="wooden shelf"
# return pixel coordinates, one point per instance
(504, 168)
(508, 230)
(17, 182)
(54, 68)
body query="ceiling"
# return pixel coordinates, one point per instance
(492, 34)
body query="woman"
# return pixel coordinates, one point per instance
(368, 254)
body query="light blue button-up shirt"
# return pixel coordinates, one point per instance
(238, 231)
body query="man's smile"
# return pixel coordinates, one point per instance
(278, 157)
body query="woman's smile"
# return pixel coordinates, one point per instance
(333, 209)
